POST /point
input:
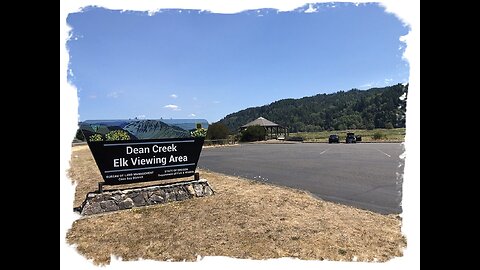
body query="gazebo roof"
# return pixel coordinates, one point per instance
(261, 122)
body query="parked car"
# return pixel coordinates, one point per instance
(358, 138)
(333, 138)
(350, 138)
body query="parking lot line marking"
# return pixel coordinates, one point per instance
(323, 151)
(383, 153)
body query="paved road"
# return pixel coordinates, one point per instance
(362, 175)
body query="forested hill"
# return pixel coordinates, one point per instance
(373, 108)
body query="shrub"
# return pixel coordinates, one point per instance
(388, 125)
(117, 135)
(217, 131)
(253, 133)
(378, 135)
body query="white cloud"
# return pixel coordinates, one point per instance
(192, 115)
(366, 85)
(216, 102)
(173, 96)
(153, 11)
(310, 9)
(172, 107)
(403, 39)
(141, 116)
(378, 83)
(114, 94)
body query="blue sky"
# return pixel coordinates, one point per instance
(192, 64)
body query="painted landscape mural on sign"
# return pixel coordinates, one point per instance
(138, 150)
(139, 129)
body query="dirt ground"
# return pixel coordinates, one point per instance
(243, 219)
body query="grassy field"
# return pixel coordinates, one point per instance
(387, 135)
(243, 219)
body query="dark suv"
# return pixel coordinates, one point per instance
(333, 139)
(350, 138)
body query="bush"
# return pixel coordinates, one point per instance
(388, 125)
(253, 133)
(117, 135)
(378, 135)
(217, 131)
(237, 137)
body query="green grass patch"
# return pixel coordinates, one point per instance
(375, 135)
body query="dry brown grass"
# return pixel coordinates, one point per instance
(244, 219)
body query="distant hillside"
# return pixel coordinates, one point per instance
(373, 108)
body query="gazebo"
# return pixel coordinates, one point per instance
(273, 129)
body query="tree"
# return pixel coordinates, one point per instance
(369, 109)
(341, 126)
(253, 133)
(217, 131)
(370, 125)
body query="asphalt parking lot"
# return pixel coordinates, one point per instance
(364, 175)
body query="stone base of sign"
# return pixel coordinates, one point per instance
(115, 200)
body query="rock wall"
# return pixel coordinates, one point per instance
(108, 201)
